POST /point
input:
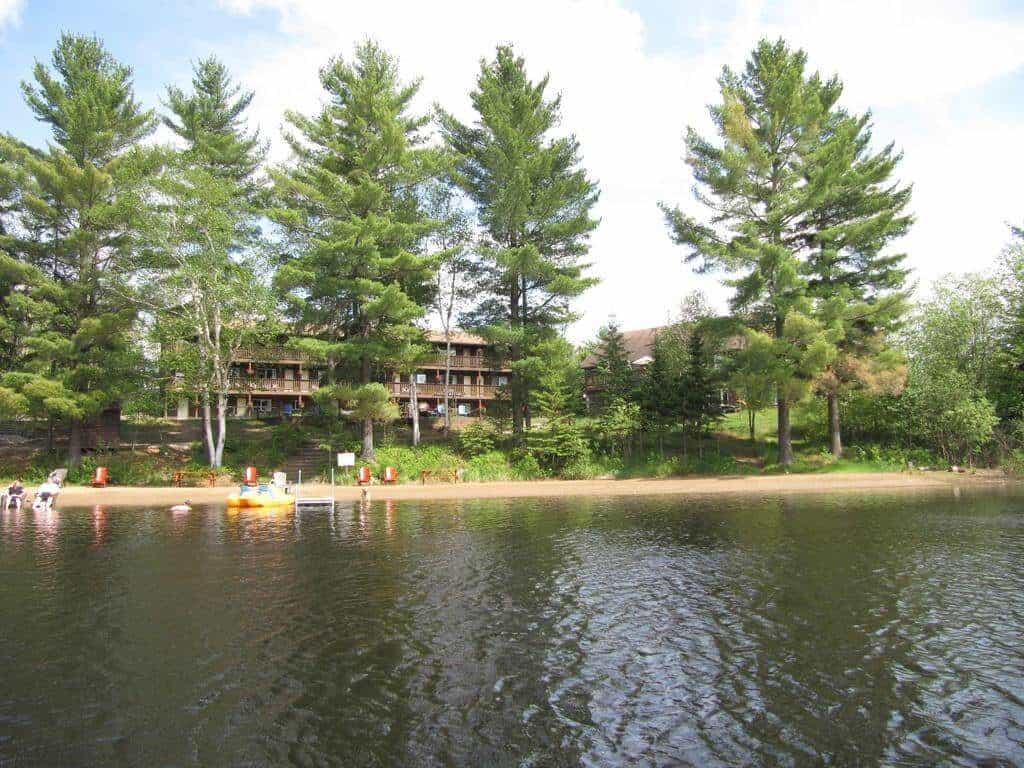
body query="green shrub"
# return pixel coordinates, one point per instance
(489, 466)
(477, 438)
(526, 467)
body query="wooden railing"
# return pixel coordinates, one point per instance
(256, 385)
(475, 391)
(462, 362)
(271, 354)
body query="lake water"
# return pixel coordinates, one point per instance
(886, 629)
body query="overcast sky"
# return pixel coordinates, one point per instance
(945, 81)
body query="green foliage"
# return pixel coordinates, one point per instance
(798, 202)
(615, 428)
(478, 438)
(614, 371)
(560, 442)
(79, 205)
(487, 467)
(534, 206)
(353, 276)
(525, 466)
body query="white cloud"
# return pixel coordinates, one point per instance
(10, 12)
(629, 107)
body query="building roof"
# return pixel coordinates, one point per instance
(457, 337)
(639, 346)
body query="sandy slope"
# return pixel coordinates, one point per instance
(768, 484)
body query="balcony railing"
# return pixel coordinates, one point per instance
(271, 354)
(257, 385)
(463, 362)
(469, 391)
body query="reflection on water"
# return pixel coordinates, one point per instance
(651, 631)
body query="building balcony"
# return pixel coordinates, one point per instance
(465, 362)
(252, 385)
(455, 391)
(271, 354)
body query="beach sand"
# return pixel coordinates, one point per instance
(695, 486)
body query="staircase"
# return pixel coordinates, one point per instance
(310, 459)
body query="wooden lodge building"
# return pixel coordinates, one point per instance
(276, 381)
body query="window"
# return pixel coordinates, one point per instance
(262, 405)
(502, 381)
(266, 373)
(463, 409)
(421, 378)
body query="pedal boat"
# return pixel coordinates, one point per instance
(251, 497)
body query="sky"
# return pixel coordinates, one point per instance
(944, 81)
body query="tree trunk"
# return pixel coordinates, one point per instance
(751, 418)
(211, 446)
(364, 376)
(447, 379)
(75, 444)
(368, 453)
(222, 430)
(414, 404)
(835, 437)
(785, 434)
(516, 389)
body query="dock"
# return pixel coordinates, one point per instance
(313, 502)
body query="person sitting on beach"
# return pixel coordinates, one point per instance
(48, 489)
(15, 494)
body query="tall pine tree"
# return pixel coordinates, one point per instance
(767, 187)
(534, 206)
(858, 212)
(83, 198)
(353, 277)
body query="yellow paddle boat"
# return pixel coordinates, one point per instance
(260, 496)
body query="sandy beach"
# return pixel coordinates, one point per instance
(699, 486)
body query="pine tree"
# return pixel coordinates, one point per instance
(615, 373)
(560, 443)
(858, 212)
(661, 385)
(210, 119)
(206, 287)
(353, 277)
(767, 185)
(700, 383)
(534, 206)
(83, 198)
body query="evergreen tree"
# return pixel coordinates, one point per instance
(768, 187)
(210, 119)
(858, 212)
(700, 383)
(83, 198)
(534, 206)
(614, 370)
(353, 277)
(661, 386)
(206, 286)
(560, 443)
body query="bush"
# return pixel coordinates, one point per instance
(477, 438)
(525, 467)
(489, 466)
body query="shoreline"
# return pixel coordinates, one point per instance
(697, 486)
